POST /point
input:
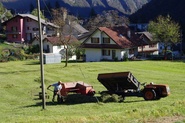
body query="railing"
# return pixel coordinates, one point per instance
(13, 32)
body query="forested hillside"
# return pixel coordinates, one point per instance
(174, 8)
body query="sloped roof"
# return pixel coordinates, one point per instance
(85, 35)
(147, 34)
(122, 36)
(79, 28)
(117, 35)
(34, 18)
(56, 40)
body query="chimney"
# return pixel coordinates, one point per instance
(128, 34)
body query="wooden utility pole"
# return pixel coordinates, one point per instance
(41, 57)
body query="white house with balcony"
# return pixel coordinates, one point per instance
(151, 47)
(111, 44)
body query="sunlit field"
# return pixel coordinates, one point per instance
(19, 88)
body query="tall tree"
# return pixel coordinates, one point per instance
(4, 13)
(65, 31)
(165, 30)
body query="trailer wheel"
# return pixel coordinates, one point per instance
(149, 94)
(91, 93)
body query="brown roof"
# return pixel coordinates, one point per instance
(117, 35)
(101, 46)
(56, 40)
(52, 40)
(120, 35)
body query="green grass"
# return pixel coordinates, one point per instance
(19, 85)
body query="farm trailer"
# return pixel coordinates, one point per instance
(78, 87)
(125, 84)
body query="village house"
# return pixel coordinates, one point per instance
(153, 48)
(111, 44)
(55, 46)
(150, 48)
(24, 27)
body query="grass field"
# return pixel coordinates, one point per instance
(19, 85)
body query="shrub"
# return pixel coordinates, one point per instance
(125, 57)
(12, 58)
(32, 49)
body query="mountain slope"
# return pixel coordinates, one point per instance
(155, 8)
(79, 7)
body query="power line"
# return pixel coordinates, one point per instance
(47, 8)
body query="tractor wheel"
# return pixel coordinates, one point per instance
(149, 94)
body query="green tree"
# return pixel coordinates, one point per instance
(164, 30)
(34, 12)
(4, 13)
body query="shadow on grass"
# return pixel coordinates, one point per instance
(33, 63)
(71, 99)
(74, 99)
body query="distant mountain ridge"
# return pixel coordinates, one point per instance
(78, 7)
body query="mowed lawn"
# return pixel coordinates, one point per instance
(19, 85)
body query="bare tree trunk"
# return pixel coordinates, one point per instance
(165, 54)
(66, 58)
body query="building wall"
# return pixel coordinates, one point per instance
(30, 29)
(100, 35)
(151, 49)
(13, 29)
(95, 54)
(57, 49)
(48, 47)
(26, 29)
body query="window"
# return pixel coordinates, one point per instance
(95, 40)
(152, 45)
(35, 29)
(28, 28)
(14, 36)
(50, 29)
(13, 28)
(106, 40)
(106, 52)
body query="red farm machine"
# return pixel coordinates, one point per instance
(78, 87)
(125, 84)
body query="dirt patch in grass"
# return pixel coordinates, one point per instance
(172, 119)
